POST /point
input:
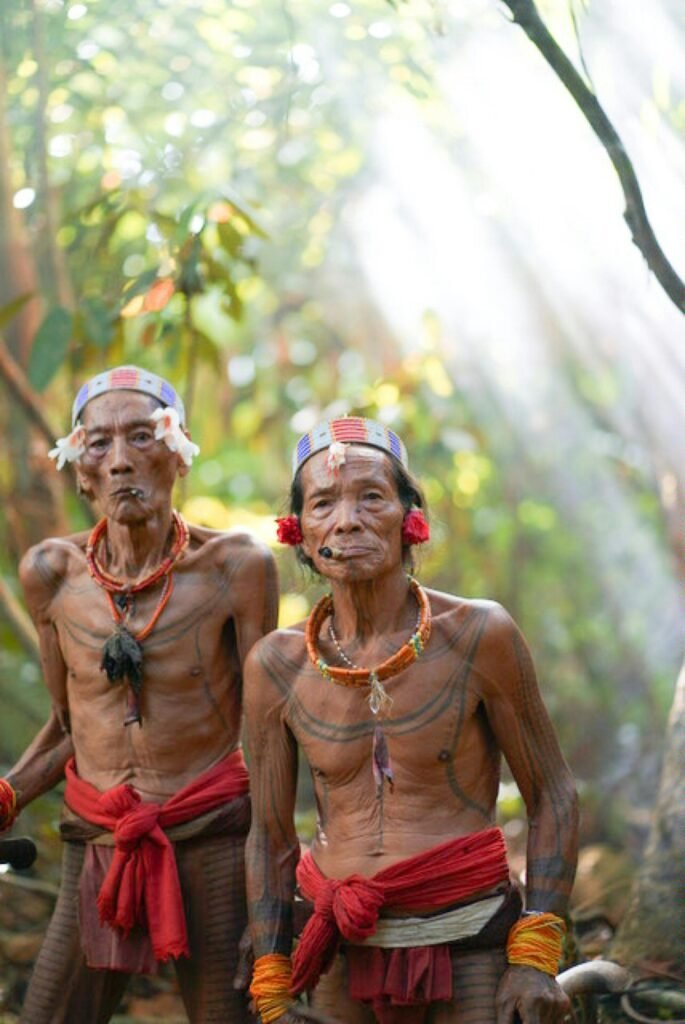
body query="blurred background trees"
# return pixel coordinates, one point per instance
(299, 210)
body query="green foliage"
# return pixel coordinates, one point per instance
(50, 346)
(201, 159)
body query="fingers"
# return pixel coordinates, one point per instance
(243, 971)
(308, 1015)
(521, 1001)
(506, 1011)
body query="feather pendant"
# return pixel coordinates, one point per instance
(382, 766)
(122, 659)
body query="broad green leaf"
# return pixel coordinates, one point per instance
(97, 321)
(50, 347)
(245, 210)
(231, 240)
(140, 285)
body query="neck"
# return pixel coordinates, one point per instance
(367, 608)
(133, 550)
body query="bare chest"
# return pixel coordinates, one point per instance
(433, 717)
(183, 629)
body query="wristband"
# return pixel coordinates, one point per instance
(270, 986)
(8, 805)
(535, 941)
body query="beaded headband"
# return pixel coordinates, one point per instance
(352, 430)
(129, 378)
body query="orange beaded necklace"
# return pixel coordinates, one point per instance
(122, 654)
(392, 666)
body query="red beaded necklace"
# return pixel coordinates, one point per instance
(122, 655)
(115, 586)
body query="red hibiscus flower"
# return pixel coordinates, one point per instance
(415, 528)
(288, 530)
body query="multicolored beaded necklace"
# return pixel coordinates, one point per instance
(122, 654)
(356, 675)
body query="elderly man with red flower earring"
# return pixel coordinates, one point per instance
(402, 701)
(144, 625)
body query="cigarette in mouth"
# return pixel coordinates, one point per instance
(335, 553)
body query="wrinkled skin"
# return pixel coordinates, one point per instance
(224, 599)
(530, 996)
(470, 699)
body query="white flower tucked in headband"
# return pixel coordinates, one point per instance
(69, 448)
(169, 430)
(336, 456)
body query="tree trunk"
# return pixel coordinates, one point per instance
(652, 933)
(31, 493)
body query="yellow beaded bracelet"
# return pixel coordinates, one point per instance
(535, 941)
(270, 986)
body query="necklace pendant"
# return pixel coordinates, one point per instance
(123, 602)
(133, 714)
(379, 700)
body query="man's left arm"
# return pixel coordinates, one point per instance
(255, 597)
(526, 736)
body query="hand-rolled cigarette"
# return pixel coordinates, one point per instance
(335, 553)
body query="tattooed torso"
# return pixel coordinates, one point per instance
(223, 599)
(474, 677)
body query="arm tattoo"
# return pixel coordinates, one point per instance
(50, 579)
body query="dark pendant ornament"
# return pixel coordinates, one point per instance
(122, 654)
(122, 660)
(382, 766)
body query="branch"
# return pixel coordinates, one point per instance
(525, 14)
(19, 620)
(18, 385)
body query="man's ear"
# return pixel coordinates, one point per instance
(82, 486)
(305, 545)
(182, 467)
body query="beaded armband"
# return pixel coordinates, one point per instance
(8, 805)
(535, 941)
(270, 986)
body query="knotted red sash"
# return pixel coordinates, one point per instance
(142, 884)
(349, 907)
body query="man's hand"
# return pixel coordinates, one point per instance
(243, 972)
(301, 1014)
(298, 1012)
(532, 995)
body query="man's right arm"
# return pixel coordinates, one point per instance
(272, 848)
(41, 766)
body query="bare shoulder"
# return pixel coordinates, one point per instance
(239, 547)
(46, 565)
(274, 663)
(497, 650)
(451, 610)
(488, 631)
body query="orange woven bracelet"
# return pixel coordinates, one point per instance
(535, 941)
(8, 805)
(270, 986)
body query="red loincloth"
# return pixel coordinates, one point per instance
(348, 908)
(141, 886)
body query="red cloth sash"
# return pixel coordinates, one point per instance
(349, 907)
(142, 884)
